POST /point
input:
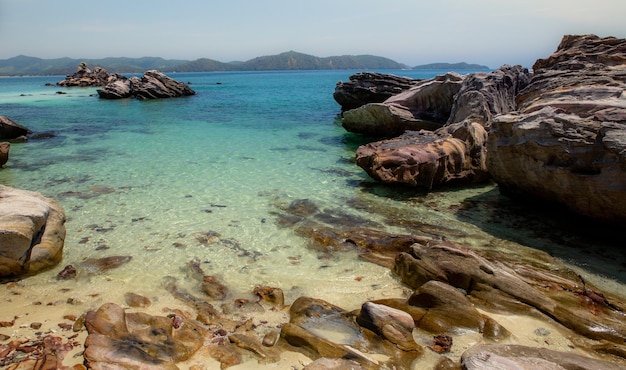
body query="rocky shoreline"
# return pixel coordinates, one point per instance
(459, 302)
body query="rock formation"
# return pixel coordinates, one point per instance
(85, 77)
(153, 85)
(32, 232)
(369, 87)
(566, 143)
(10, 130)
(463, 107)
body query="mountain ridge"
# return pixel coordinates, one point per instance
(290, 60)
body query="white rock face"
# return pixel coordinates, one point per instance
(32, 232)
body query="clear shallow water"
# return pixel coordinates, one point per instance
(174, 180)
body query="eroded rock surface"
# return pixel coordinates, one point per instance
(567, 141)
(32, 232)
(137, 340)
(453, 148)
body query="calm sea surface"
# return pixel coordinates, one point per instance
(202, 177)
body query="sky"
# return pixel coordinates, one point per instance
(413, 32)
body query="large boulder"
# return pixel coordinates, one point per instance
(85, 77)
(152, 85)
(369, 87)
(567, 141)
(32, 232)
(10, 130)
(455, 152)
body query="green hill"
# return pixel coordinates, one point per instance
(291, 60)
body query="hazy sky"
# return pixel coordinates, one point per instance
(491, 32)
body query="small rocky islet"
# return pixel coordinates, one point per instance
(554, 134)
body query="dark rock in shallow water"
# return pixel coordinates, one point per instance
(4, 152)
(10, 130)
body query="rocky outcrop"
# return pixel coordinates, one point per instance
(566, 143)
(32, 232)
(369, 87)
(454, 153)
(426, 105)
(10, 130)
(504, 284)
(85, 77)
(152, 85)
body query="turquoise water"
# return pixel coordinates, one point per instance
(149, 179)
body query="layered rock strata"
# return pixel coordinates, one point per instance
(85, 77)
(566, 143)
(152, 85)
(462, 107)
(369, 87)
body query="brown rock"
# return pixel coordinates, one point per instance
(137, 340)
(393, 324)
(4, 152)
(333, 364)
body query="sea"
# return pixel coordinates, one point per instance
(205, 178)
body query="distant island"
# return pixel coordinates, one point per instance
(453, 66)
(25, 65)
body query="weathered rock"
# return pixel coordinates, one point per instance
(137, 340)
(424, 106)
(136, 300)
(32, 232)
(10, 130)
(450, 311)
(393, 324)
(369, 87)
(561, 294)
(4, 152)
(516, 357)
(97, 265)
(152, 85)
(456, 152)
(567, 141)
(85, 77)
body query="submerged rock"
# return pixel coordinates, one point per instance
(566, 143)
(32, 232)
